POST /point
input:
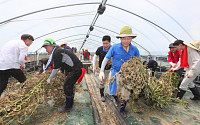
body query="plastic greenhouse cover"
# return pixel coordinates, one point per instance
(157, 22)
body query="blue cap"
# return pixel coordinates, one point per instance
(171, 45)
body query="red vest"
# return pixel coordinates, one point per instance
(174, 57)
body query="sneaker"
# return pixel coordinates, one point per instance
(103, 99)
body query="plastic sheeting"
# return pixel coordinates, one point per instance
(70, 24)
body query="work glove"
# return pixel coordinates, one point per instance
(18, 84)
(48, 81)
(173, 65)
(101, 76)
(94, 69)
(174, 69)
(22, 68)
(189, 75)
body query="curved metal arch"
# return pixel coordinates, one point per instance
(141, 47)
(75, 41)
(52, 8)
(61, 30)
(75, 35)
(143, 19)
(6, 21)
(80, 35)
(170, 17)
(83, 26)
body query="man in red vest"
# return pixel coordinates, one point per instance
(86, 55)
(190, 60)
(173, 55)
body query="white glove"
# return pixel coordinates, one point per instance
(190, 74)
(174, 69)
(94, 69)
(18, 84)
(101, 76)
(173, 65)
(48, 81)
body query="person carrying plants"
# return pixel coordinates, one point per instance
(120, 52)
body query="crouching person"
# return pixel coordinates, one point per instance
(12, 56)
(69, 62)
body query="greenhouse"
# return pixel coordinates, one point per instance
(99, 62)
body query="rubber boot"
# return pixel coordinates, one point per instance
(102, 95)
(116, 100)
(122, 108)
(195, 92)
(180, 93)
(69, 103)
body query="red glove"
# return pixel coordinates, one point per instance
(22, 68)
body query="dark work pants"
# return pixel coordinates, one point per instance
(41, 68)
(6, 74)
(70, 80)
(180, 72)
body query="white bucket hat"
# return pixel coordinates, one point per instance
(194, 44)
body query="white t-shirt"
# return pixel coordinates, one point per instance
(12, 55)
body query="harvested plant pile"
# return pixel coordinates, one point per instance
(159, 92)
(136, 78)
(20, 103)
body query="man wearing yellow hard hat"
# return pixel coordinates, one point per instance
(118, 52)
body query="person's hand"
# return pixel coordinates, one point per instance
(18, 84)
(48, 81)
(94, 69)
(189, 75)
(171, 70)
(101, 76)
(173, 65)
(22, 68)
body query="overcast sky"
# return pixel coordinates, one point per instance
(181, 18)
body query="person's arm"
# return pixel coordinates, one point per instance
(101, 74)
(195, 56)
(105, 60)
(22, 60)
(53, 73)
(23, 52)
